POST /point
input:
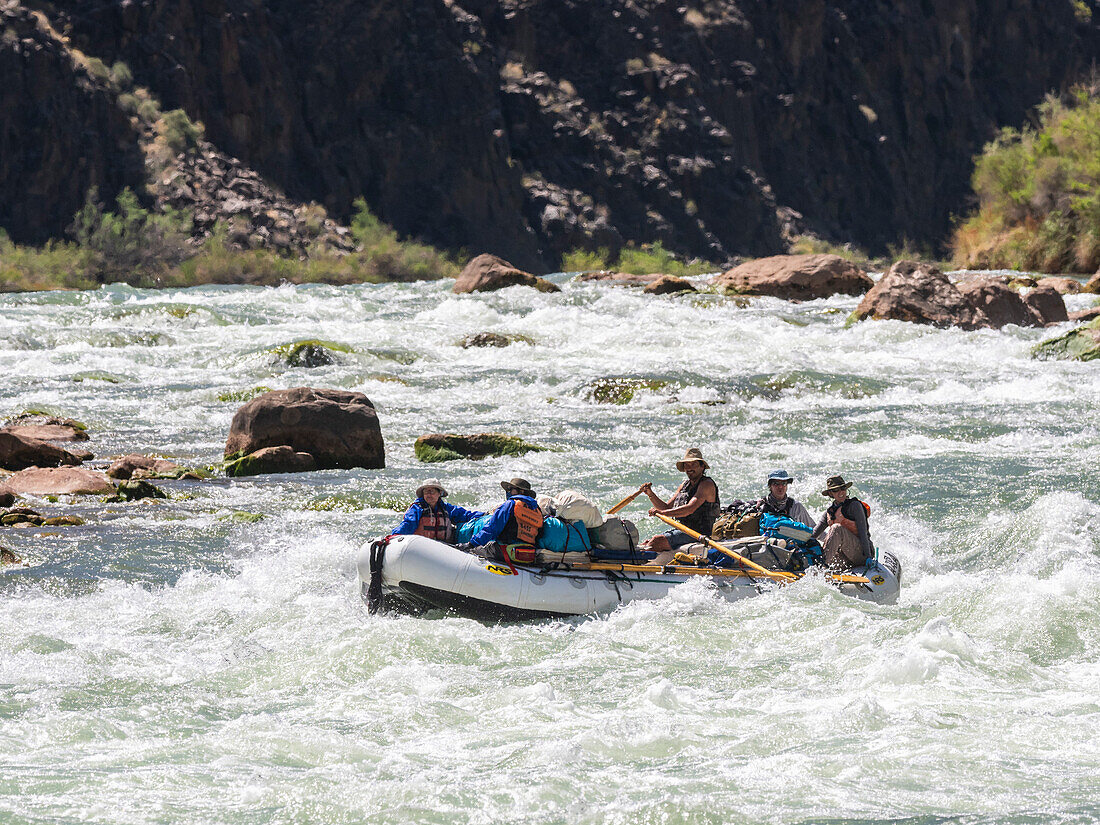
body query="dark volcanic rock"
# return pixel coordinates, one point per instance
(18, 452)
(487, 273)
(338, 428)
(921, 294)
(1000, 304)
(533, 127)
(796, 277)
(1046, 305)
(60, 132)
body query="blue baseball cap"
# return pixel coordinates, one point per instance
(780, 475)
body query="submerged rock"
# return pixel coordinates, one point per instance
(311, 354)
(268, 460)
(338, 428)
(487, 273)
(920, 294)
(621, 390)
(492, 339)
(57, 481)
(621, 278)
(669, 285)
(18, 452)
(795, 277)
(452, 447)
(1081, 344)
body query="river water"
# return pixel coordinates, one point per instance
(208, 659)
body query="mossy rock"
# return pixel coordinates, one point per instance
(97, 375)
(311, 353)
(452, 447)
(63, 521)
(241, 396)
(621, 390)
(1080, 344)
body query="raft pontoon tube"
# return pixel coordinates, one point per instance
(419, 573)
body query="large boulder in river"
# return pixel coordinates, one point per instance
(487, 273)
(43, 481)
(795, 277)
(18, 452)
(921, 294)
(1047, 305)
(338, 428)
(1000, 303)
(452, 447)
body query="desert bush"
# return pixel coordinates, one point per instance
(1038, 193)
(57, 265)
(133, 244)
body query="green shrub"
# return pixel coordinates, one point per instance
(121, 76)
(583, 260)
(1039, 193)
(132, 245)
(57, 265)
(178, 132)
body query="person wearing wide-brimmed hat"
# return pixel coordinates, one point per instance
(517, 521)
(843, 532)
(779, 503)
(695, 504)
(431, 516)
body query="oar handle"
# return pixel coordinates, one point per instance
(624, 502)
(763, 571)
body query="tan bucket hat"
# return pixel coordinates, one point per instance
(835, 484)
(693, 454)
(431, 482)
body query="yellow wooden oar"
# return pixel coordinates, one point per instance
(680, 570)
(844, 578)
(763, 571)
(624, 502)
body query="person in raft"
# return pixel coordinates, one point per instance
(845, 538)
(431, 516)
(779, 503)
(517, 521)
(695, 504)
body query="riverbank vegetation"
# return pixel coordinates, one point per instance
(136, 246)
(647, 259)
(1038, 192)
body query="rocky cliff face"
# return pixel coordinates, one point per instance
(526, 127)
(60, 131)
